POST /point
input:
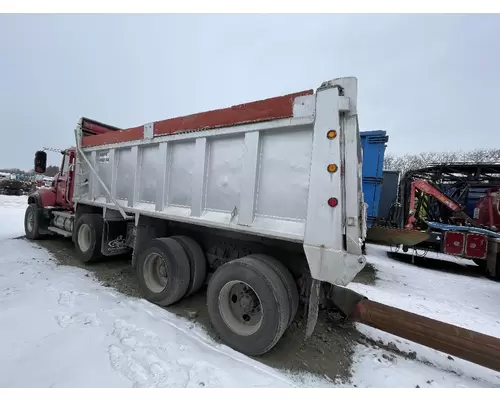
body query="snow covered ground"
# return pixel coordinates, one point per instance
(61, 328)
(470, 302)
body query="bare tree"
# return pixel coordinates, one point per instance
(12, 170)
(51, 170)
(414, 161)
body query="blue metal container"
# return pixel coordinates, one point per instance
(474, 195)
(388, 193)
(373, 144)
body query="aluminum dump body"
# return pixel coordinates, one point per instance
(287, 168)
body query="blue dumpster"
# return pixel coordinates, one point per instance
(373, 144)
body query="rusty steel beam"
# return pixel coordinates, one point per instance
(450, 339)
(395, 236)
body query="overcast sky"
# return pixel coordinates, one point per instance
(431, 81)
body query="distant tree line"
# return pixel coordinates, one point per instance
(415, 161)
(51, 170)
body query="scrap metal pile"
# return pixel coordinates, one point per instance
(450, 208)
(15, 187)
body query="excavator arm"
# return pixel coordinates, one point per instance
(429, 189)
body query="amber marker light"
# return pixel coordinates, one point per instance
(332, 168)
(331, 134)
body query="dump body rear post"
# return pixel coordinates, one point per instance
(260, 202)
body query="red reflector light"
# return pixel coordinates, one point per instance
(332, 202)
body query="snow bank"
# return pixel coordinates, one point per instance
(12, 210)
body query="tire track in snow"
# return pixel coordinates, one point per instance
(217, 348)
(141, 357)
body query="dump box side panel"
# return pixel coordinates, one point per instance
(251, 177)
(295, 177)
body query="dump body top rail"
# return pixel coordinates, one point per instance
(287, 167)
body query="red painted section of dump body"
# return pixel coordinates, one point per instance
(258, 111)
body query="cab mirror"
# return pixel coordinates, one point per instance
(40, 162)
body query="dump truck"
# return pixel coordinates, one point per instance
(260, 196)
(262, 203)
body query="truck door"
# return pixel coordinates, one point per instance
(62, 180)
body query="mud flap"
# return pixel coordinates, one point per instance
(114, 238)
(338, 297)
(143, 232)
(312, 307)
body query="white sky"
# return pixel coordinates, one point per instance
(431, 81)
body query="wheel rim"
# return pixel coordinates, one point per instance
(155, 273)
(84, 238)
(240, 308)
(30, 223)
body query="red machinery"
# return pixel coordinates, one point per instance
(438, 221)
(429, 189)
(487, 210)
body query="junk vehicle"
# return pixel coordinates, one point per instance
(16, 187)
(449, 208)
(11, 187)
(264, 199)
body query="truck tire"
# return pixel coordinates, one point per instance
(243, 289)
(481, 264)
(88, 238)
(163, 271)
(197, 263)
(485, 271)
(287, 279)
(32, 219)
(495, 275)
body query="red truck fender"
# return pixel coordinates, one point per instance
(43, 198)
